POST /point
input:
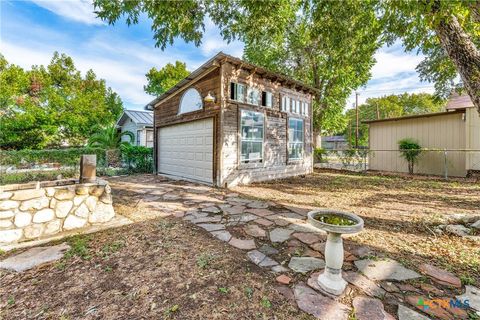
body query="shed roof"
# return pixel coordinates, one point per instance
(144, 118)
(416, 116)
(457, 101)
(215, 62)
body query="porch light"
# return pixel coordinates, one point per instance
(209, 98)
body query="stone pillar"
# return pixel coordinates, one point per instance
(88, 168)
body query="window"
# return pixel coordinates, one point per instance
(295, 139)
(149, 143)
(251, 145)
(191, 101)
(139, 137)
(267, 99)
(253, 96)
(237, 92)
(285, 104)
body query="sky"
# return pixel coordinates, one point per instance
(30, 31)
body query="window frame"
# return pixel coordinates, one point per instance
(183, 96)
(146, 138)
(250, 163)
(138, 138)
(266, 94)
(259, 96)
(290, 159)
(234, 94)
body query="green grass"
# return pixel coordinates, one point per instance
(78, 247)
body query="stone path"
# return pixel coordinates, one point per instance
(34, 257)
(278, 239)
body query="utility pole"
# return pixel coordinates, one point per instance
(356, 113)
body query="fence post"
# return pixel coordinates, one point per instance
(445, 164)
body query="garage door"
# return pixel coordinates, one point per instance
(186, 150)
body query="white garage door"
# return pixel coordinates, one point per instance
(186, 150)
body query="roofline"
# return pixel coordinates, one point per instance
(214, 63)
(133, 110)
(416, 116)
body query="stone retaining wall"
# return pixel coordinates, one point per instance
(32, 214)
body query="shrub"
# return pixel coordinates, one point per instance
(138, 158)
(320, 155)
(410, 150)
(22, 177)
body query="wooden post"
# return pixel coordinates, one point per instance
(88, 168)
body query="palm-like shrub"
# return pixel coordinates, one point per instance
(110, 139)
(410, 150)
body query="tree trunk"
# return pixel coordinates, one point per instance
(463, 52)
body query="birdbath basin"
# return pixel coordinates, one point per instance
(335, 223)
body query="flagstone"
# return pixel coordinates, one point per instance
(305, 227)
(280, 234)
(257, 205)
(385, 270)
(254, 231)
(248, 244)
(287, 293)
(283, 279)
(279, 269)
(223, 235)
(237, 209)
(438, 312)
(33, 257)
(263, 222)
(212, 226)
(472, 294)
(364, 284)
(206, 219)
(369, 309)
(440, 276)
(307, 238)
(319, 306)
(261, 212)
(305, 264)
(268, 250)
(211, 209)
(405, 313)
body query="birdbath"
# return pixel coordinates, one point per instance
(335, 223)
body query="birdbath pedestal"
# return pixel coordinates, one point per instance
(335, 223)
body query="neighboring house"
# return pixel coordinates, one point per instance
(140, 123)
(230, 122)
(457, 130)
(334, 143)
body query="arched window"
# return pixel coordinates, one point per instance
(191, 101)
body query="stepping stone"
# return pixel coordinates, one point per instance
(440, 276)
(263, 222)
(34, 257)
(307, 238)
(312, 253)
(385, 270)
(279, 269)
(364, 284)
(268, 250)
(319, 306)
(206, 219)
(212, 209)
(305, 227)
(280, 234)
(361, 251)
(287, 293)
(305, 264)
(458, 230)
(389, 287)
(291, 215)
(260, 259)
(437, 312)
(476, 225)
(431, 289)
(283, 279)
(405, 287)
(261, 212)
(212, 226)
(223, 235)
(278, 221)
(170, 196)
(473, 295)
(234, 210)
(242, 218)
(242, 244)
(297, 210)
(405, 313)
(257, 205)
(255, 231)
(225, 206)
(369, 309)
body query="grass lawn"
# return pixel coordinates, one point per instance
(400, 213)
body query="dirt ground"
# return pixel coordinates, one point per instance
(400, 213)
(158, 268)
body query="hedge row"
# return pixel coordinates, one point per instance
(64, 157)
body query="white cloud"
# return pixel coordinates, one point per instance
(391, 63)
(76, 10)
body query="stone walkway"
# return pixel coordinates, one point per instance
(278, 239)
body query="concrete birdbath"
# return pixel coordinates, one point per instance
(335, 223)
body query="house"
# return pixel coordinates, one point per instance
(334, 143)
(140, 123)
(230, 122)
(454, 136)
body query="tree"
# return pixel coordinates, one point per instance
(410, 150)
(109, 138)
(390, 106)
(447, 32)
(53, 105)
(161, 80)
(329, 45)
(439, 28)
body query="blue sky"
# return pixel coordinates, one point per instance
(32, 30)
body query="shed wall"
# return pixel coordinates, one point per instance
(435, 132)
(472, 122)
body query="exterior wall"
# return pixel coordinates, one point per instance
(472, 125)
(131, 126)
(33, 214)
(275, 162)
(440, 132)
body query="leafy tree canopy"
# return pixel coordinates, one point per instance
(390, 106)
(48, 106)
(161, 80)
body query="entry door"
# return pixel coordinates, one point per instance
(186, 150)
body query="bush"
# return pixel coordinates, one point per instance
(410, 150)
(138, 158)
(320, 155)
(23, 177)
(63, 157)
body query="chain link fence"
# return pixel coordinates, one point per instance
(440, 162)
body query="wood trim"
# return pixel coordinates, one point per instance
(240, 164)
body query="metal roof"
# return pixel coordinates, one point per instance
(459, 102)
(139, 117)
(214, 62)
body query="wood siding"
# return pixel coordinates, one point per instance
(472, 123)
(436, 132)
